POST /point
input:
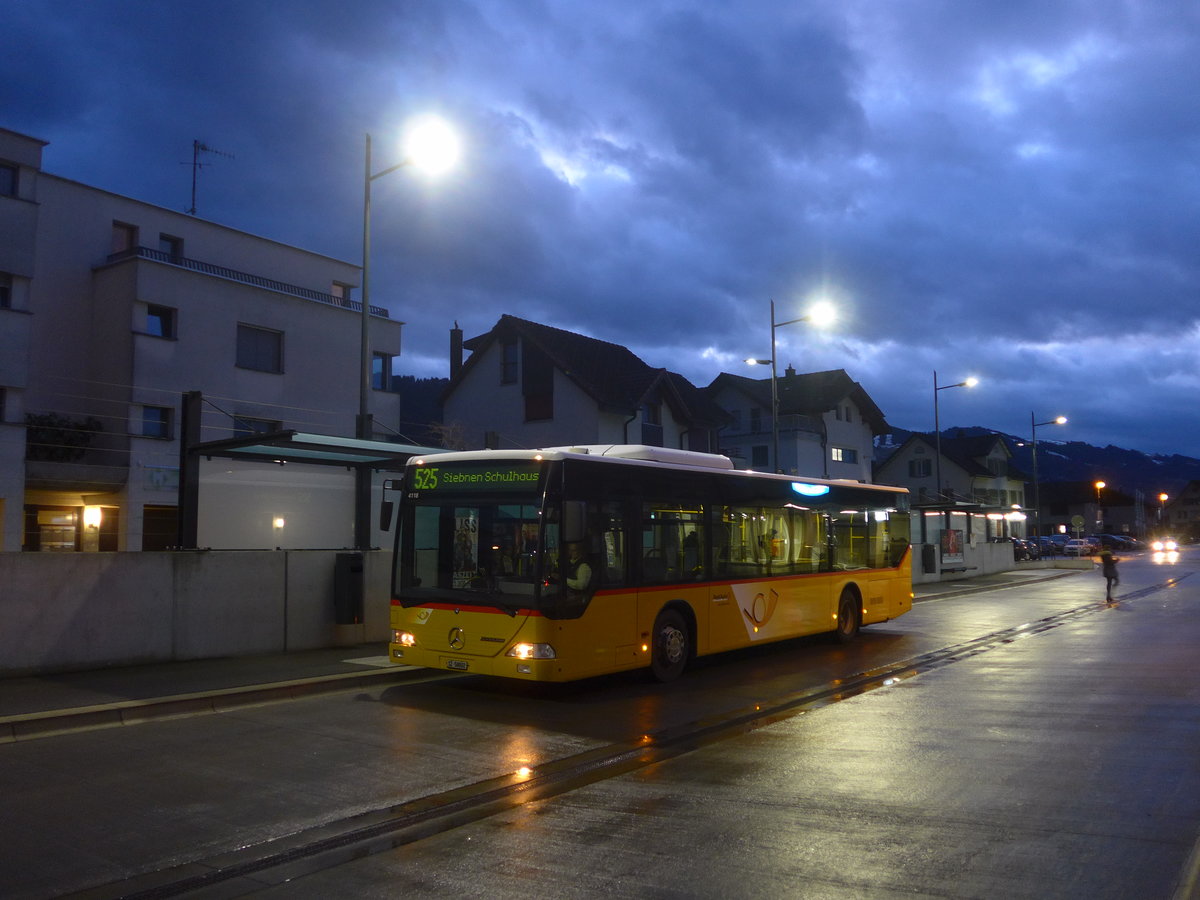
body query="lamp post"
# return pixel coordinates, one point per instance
(432, 147)
(821, 314)
(1037, 500)
(1162, 510)
(937, 424)
(1100, 485)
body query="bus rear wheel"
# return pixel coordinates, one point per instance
(671, 646)
(848, 620)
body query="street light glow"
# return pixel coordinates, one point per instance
(822, 314)
(431, 145)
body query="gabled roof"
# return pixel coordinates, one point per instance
(964, 452)
(610, 374)
(810, 394)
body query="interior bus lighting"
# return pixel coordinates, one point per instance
(531, 651)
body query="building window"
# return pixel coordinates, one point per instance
(124, 237)
(844, 454)
(246, 426)
(160, 321)
(508, 362)
(172, 246)
(156, 422)
(260, 349)
(8, 180)
(381, 371)
(537, 384)
(5, 291)
(652, 429)
(758, 457)
(920, 468)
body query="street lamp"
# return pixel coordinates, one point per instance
(431, 146)
(937, 424)
(1100, 485)
(1162, 509)
(821, 314)
(1037, 500)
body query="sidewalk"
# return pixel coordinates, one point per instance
(38, 706)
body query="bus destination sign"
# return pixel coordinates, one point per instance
(487, 477)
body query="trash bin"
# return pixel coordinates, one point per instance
(348, 588)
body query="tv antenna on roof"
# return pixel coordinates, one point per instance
(199, 147)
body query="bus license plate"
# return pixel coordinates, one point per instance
(460, 664)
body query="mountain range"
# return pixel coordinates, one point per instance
(1124, 470)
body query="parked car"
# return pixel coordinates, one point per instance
(1059, 541)
(1079, 547)
(1048, 546)
(1021, 549)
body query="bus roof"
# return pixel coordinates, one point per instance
(642, 455)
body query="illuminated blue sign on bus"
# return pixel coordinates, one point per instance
(810, 490)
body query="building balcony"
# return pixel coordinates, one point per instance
(258, 281)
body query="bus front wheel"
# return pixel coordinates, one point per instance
(671, 648)
(848, 617)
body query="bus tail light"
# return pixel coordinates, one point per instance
(532, 651)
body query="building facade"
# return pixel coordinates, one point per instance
(110, 310)
(530, 385)
(827, 424)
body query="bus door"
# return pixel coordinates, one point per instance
(675, 564)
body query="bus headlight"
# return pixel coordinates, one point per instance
(403, 638)
(531, 651)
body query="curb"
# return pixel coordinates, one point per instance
(30, 726)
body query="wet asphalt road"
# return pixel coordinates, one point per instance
(1060, 758)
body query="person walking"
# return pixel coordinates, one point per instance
(1108, 565)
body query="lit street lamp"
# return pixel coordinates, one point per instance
(1100, 485)
(821, 314)
(432, 147)
(937, 425)
(1162, 509)
(1037, 500)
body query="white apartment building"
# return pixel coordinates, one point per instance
(110, 310)
(826, 427)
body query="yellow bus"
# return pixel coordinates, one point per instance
(565, 563)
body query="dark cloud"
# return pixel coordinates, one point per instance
(1003, 189)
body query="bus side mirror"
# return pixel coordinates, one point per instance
(385, 515)
(574, 526)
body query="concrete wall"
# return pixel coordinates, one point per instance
(984, 559)
(64, 611)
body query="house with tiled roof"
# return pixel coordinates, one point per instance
(827, 423)
(531, 385)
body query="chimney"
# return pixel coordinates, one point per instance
(456, 350)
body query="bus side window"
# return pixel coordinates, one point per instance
(615, 569)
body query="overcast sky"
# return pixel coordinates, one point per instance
(1009, 190)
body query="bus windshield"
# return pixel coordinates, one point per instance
(474, 534)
